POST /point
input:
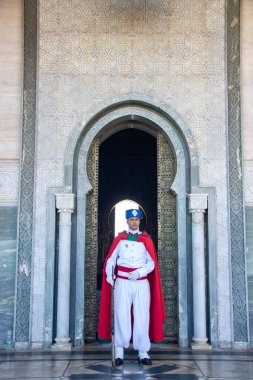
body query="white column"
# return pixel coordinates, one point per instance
(65, 207)
(197, 207)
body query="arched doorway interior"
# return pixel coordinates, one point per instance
(127, 170)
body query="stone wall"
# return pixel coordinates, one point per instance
(11, 76)
(172, 51)
(89, 52)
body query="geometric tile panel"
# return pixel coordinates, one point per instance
(24, 264)
(239, 292)
(131, 370)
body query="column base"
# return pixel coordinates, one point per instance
(62, 344)
(200, 345)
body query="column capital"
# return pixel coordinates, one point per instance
(197, 202)
(65, 202)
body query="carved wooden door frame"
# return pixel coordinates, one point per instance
(167, 238)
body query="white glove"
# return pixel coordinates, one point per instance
(110, 281)
(134, 275)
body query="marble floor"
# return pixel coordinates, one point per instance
(94, 362)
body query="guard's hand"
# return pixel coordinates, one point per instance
(110, 280)
(134, 275)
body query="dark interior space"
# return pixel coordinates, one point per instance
(127, 170)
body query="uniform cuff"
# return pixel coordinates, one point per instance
(142, 272)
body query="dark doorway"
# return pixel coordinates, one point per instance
(127, 170)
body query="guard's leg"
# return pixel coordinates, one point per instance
(122, 306)
(141, 305)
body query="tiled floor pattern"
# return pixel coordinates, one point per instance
(94, 362)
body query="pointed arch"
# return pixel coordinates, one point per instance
(154, 117)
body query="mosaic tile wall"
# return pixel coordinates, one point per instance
(92, 50)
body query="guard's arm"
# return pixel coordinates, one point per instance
(111, 262)
(148, 267)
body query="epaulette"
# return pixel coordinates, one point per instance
(144, 233)
(121, 233)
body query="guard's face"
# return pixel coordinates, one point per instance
(133, 223)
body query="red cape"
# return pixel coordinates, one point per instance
(157, 310)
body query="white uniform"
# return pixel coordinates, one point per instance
(131, 254)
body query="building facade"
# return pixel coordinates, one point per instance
(171, 81)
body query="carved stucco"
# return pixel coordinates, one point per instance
(171, 52)
(9, 182)
(178, 185)
(248, 182)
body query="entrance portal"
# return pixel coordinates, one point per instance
(137, 165)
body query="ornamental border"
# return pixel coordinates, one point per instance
(237, 226)
(25, 221)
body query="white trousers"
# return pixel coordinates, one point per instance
(128, 293)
